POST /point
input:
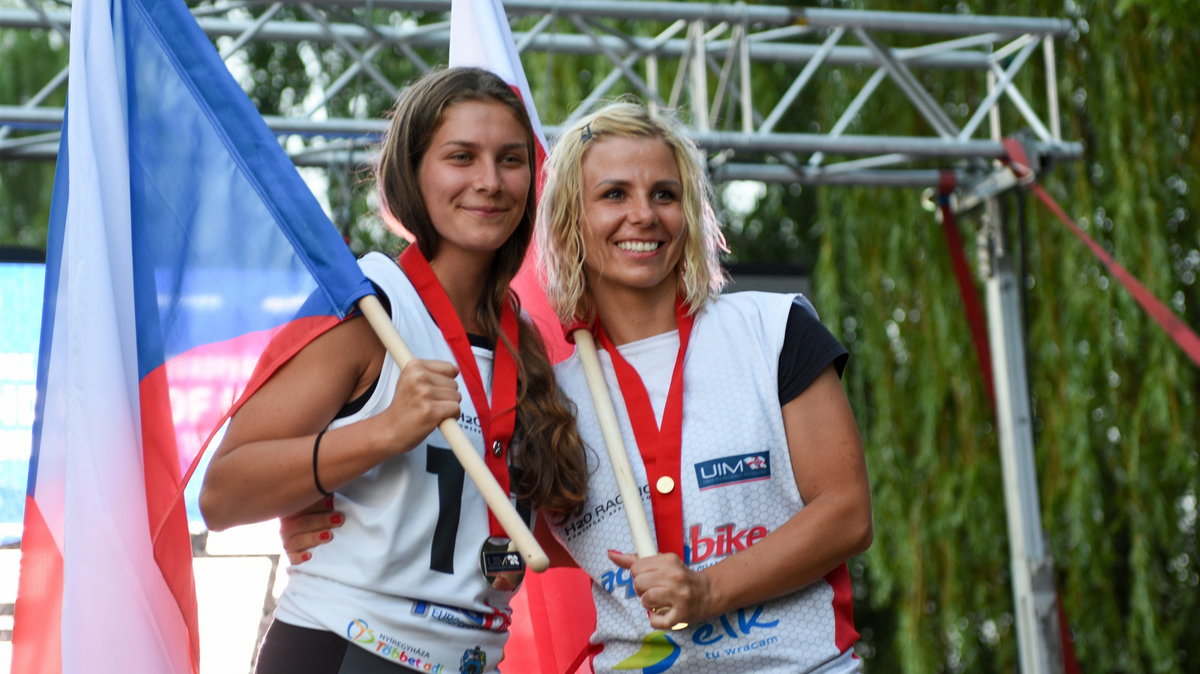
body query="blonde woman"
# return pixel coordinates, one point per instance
(739, 433)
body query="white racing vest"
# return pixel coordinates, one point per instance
(737, 482)
(379, 583)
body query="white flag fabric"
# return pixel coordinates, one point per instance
(480, 37)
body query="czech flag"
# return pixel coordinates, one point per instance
(182, 241)
(553, 614)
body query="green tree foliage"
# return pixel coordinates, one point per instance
(1116, 422)
(31, 58)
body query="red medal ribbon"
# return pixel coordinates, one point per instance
(660, 446)
(498, 419)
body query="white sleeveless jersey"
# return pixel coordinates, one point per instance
(738, 486)
(382, 582)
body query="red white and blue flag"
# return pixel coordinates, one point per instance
(553, 614)
(182, 241)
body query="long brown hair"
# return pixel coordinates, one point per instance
(552, 469)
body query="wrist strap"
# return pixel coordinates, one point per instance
(316, 478)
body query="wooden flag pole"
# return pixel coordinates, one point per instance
(639, 526)
(643, 542)
(535, 557)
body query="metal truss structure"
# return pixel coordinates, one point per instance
(702, 56)
(707, 57)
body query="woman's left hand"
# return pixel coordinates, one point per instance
(302, 531)
(672, 593)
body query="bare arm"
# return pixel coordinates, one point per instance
(263, 467)
(834, 525)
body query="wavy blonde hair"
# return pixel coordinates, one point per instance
(559, 229)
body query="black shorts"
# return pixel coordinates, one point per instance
(288, 649)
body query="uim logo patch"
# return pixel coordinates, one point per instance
(729, 470)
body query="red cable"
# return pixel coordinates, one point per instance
(1171, 323)
(966, 285)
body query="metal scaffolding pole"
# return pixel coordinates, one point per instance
(1035, 600)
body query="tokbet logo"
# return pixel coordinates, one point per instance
(725, 540)
(733, 470)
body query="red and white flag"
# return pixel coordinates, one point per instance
(480, 37)
(553, 612)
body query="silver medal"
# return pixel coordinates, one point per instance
(501, 564)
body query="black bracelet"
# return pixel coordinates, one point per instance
(316, 479)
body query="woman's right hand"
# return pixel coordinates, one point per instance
(426, 395)
(305, 530)
(264, 467)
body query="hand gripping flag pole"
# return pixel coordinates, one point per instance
(476, 469)
(639, 525)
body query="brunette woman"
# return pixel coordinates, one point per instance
(401, 579)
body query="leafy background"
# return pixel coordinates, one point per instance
(1113, 398)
